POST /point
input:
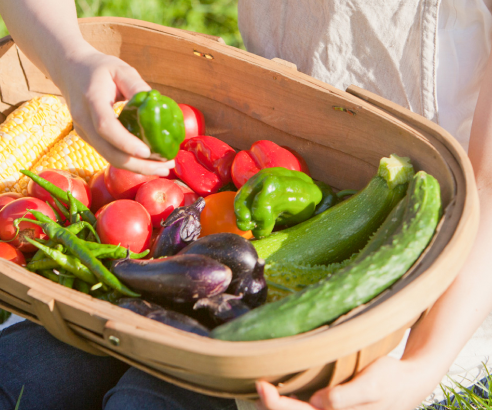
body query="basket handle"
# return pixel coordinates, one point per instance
(46, 309)
(285, 63)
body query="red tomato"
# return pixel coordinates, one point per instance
(123, 184)
(125, 222)
(194, 121)
(100, 210)
(17, 209)
(159, 197)
(8, 197)
(190, 196)
(64, 180)
(8, 252)
(99, 192)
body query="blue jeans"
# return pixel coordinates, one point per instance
(57, 376)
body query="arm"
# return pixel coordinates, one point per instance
(390, 384)
(48, 33)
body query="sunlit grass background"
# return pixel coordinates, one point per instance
(216, 17)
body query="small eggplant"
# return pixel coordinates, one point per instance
(240, 255)
(254, 287)
(181, 227)
(168, 317)
(179, 321)
(139, 306)
(223, 308)
(182, 278)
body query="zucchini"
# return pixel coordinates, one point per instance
(344, 229)
(392, 251)
(286, 278)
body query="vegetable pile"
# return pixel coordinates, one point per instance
(231, 245)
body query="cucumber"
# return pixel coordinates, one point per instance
(344, 229)
(286, 278)
(398, 246)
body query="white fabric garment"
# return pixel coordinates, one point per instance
(426, 55)
(464, 43)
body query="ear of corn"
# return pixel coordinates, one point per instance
(27, 134)
(70, 153)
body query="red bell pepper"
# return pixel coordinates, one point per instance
(204, 164)
(263, 154)
(302, 161)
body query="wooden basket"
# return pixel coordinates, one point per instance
(245, 98)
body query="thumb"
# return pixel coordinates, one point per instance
(129, 81)
(361, 390)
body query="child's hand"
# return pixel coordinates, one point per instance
(387, 384)
(91, 82)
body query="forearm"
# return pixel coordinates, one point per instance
(46, 31)
(463, 307)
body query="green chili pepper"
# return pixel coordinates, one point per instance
(157, 120)
(75, 229)
(61, 195)
(63, 209)
(48, 274)
(78, 248)
(101, 251)
(346, 192)
(46, 263)
(81, 286)
(111, 296)
(328, 200)
(72, 209)
(67, 262)
(64, 279)
(57, 215)
(78, 227)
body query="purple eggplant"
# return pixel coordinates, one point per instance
(253, 287)
(181, 278)
(139, 306)
(223, 308)
(179, 321)
(168, 317)
(240, 255)
(181, 227)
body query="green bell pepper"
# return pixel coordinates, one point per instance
(275, 196)
(157, 120)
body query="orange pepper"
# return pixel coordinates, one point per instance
(218, 215)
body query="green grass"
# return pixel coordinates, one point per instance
(215, 17)
(459, 397)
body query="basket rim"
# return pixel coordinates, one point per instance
(338, 335)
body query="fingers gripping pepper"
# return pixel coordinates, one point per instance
(157, 120)
(275, 196)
